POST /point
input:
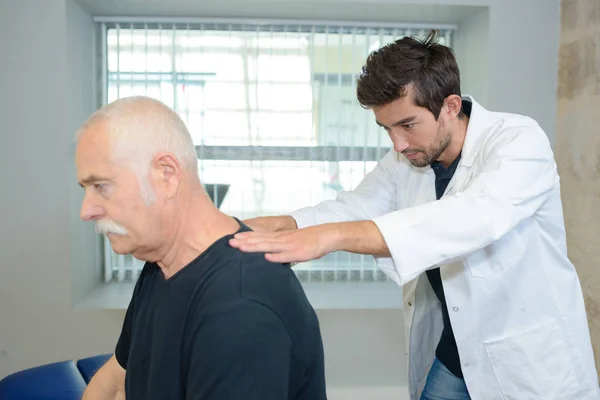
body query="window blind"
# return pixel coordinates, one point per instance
(272, 111)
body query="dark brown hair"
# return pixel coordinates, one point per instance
(429, 67)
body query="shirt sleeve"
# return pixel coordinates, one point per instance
(375, 195)
(123, 344)
(518, 177)
(243, 352)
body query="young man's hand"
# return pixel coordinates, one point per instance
(271, 224)
(299, 245)
(289, 246)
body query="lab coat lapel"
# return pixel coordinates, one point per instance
(479, 122)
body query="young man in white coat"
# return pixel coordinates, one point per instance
(465, 213)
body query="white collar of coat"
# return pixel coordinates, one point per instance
(479, 123)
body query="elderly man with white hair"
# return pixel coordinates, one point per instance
(206, 321)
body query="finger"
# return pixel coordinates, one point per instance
(249, 242)
(238, 241)
(244, 235)
(263, 247)
(255, 235)
(283, 257)
(261, 237)
(254, 240)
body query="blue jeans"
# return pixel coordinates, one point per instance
(444, 385)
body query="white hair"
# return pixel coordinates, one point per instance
(140, 127)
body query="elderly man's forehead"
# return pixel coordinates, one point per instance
(92, 144)
(93, 130)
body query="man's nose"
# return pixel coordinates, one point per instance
(400, 144)
(89, 210)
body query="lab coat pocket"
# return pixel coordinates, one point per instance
(534, 365)
(497, 257)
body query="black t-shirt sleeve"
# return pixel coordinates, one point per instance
(242, 352)
(124, 342)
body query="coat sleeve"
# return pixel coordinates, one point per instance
(518, 175)
(374, 196)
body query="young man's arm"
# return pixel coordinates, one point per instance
(375, 195)
(519, 175)
(243, 352)
(108, 383)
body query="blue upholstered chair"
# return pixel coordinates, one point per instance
(64, 380)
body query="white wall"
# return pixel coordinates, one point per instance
(472, 54)
(508, 55)
(81, 90)
(47, 91)
(523, 51)
(39, 107)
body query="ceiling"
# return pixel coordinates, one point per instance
(393, 11)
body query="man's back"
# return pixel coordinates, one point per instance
(230, 325)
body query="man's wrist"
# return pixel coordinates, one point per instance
(334, 236)
(362, 237)
(286, 223)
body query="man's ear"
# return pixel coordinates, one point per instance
(453, 105)
(166, 173)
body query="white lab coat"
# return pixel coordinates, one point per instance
(514, 298)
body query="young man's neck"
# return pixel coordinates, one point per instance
(199, 225)
(456, 143)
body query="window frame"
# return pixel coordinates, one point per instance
(377, 293)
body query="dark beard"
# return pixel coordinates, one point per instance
(435, 151)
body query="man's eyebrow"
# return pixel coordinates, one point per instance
(403, 121)
(90, 180)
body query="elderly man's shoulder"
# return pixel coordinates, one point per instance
(247, 284)
(267, 281)
(230, 277)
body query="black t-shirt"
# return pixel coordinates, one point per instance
(228, 326)
(447, 350)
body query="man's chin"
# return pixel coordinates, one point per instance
(419, 163)
(418, 159)
(118, 245)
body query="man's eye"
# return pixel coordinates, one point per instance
(409, 126)
(99, 186)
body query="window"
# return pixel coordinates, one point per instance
(272, 110)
